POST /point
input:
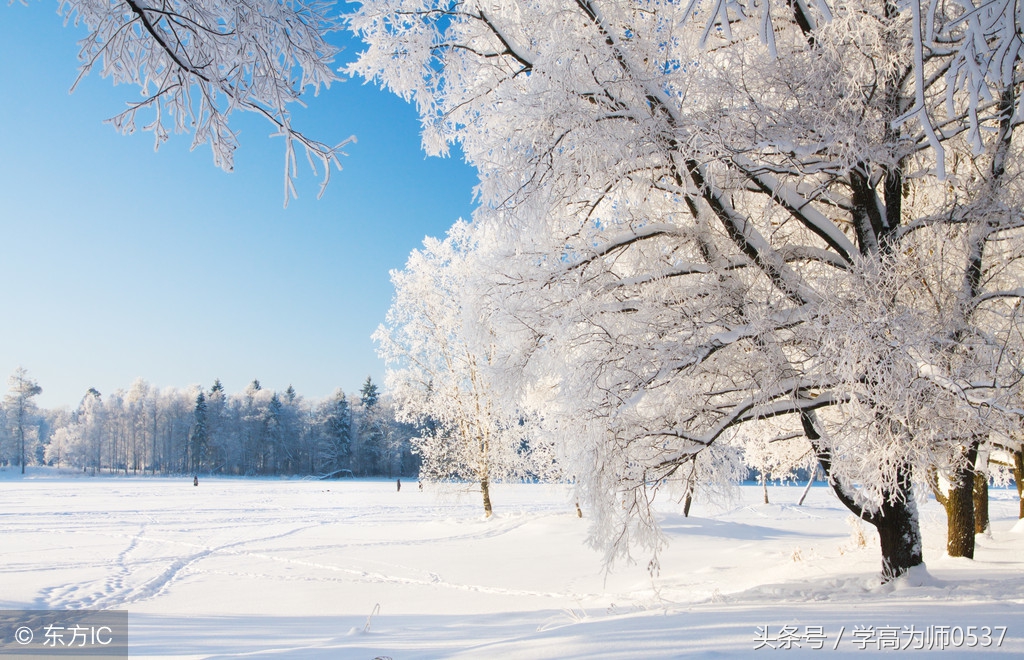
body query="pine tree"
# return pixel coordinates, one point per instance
(370, 448)
(199, 437)
(369, 394)
(336, 433)
(272, 438)
(217, 426)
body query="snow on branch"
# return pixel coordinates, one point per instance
(752, 408)
(198, 61)
(995, 295)
(799, 207)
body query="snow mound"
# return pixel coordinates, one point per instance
(915, 578)
(1019, 527)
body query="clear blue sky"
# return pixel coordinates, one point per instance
(117, 262)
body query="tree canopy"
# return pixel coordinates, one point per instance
(721, 213)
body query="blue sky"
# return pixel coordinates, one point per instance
(117, 262)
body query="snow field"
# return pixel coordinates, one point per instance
(339, 569)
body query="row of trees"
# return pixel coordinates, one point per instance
(256, 432)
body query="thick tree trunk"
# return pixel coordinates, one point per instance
(899, 531)
(960, 516)
(981, 521)
(959, 505)
(485, 488)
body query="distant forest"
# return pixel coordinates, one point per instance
(147, 430)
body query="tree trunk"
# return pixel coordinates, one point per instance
(981, 521)
(959, 505)
(807, 488)
(960, 515)
(899, 531)
(485, 488)
(1018, 477)
(688, 498)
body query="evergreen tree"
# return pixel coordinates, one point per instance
(217, 426)
(369, 394)
(370, 445)
(335, 422)
(272, 436)
(252, 432)
(199, 437)
(291, 449)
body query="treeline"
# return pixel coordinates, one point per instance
(258, 431)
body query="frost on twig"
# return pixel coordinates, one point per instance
(198, 61)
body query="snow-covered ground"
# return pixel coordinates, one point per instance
(355, 569)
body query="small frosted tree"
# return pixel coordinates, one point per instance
(441, 352)
(776, 455)
(21, 410)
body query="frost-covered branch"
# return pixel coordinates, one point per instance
(198, 61)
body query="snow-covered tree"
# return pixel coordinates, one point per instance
(140, 411)
(1006, 464)
(334, 419)
(368, 445)
(65, 446)
(21, 410)
(441, 352)
(198, 436)
(92, 418)
(368, 394)
(725, 212)
(196, 62)
(222, 446)
(775, 456)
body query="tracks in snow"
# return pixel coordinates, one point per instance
(151, 562)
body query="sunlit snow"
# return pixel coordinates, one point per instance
(359, 569)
